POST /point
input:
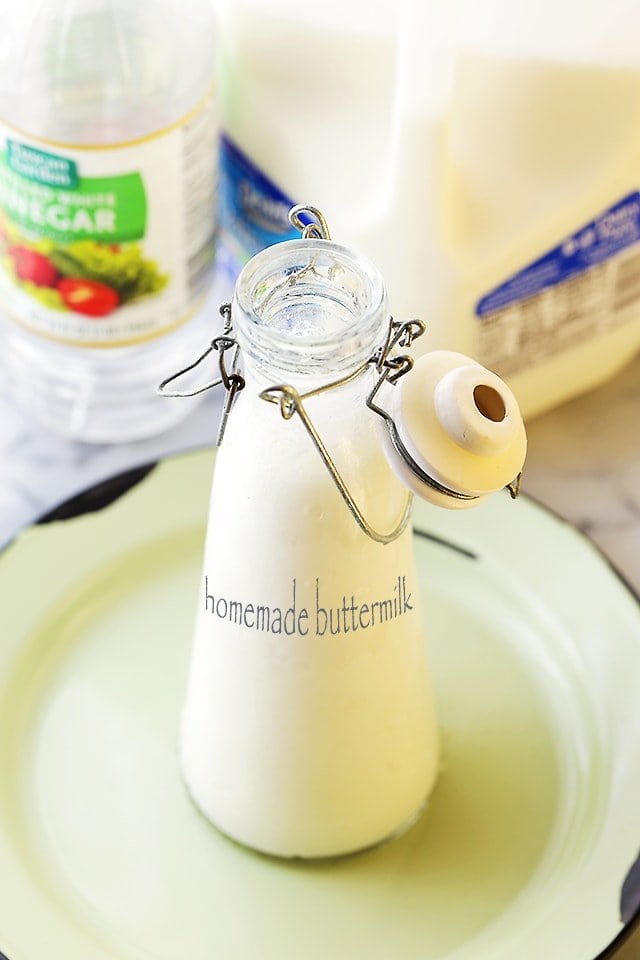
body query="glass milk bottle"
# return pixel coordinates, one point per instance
(309, 727)
(108, 141)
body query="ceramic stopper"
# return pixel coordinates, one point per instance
(461, 425)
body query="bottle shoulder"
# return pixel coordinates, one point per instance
(104, 71)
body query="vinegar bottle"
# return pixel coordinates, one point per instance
(107, 187)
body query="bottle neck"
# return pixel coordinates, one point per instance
(308, 312)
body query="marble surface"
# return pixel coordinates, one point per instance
(39, 470)
(583, 462)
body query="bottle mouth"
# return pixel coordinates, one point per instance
(309, 306)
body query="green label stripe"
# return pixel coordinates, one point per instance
(106, 209)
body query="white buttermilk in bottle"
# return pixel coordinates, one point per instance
(309, 727)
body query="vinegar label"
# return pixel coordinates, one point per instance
(107, 246)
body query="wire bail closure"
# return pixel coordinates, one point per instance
(390, 365)
(233, 381)
(315, 227)
(391, 368)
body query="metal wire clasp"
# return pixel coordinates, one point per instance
(390, 367)
(232, 379)
(314, 226)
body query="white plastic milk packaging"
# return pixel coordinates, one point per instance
(485, 155)
(309, 727)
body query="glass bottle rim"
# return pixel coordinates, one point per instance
(345, 347)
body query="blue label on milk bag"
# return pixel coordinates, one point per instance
(584, 287)
(253, 210)
(599, 240)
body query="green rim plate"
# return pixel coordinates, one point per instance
(527, 840)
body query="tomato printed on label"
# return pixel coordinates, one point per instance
(89, 297)
(33, 266)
